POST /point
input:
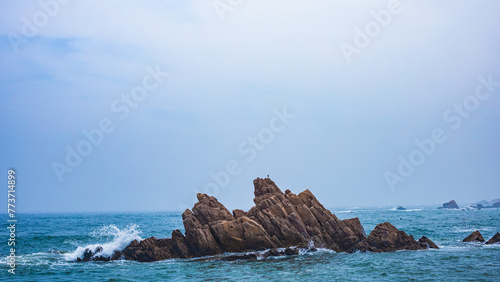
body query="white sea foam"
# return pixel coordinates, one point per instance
(410, 210)
(406, 210)
(347, 211)
(470, 230)
(120, 240)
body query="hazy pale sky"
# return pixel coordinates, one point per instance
(139, 105)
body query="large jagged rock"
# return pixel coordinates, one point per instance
(474, 237)
(494, 239)
(450, 205)
(278, 220)
(293, 220)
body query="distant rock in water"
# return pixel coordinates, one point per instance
(495, 205)
(474, 237)
(450, 205)
(487, 205)
(494, 239)
(401, 208)
(278, 220)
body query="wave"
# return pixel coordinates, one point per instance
(120, 239)
(470, 230)
(406, 210)
(347, 211)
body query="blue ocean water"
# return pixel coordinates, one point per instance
(40, 235)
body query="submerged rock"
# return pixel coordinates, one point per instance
(474, 237)
(278, 220)
(494, 239)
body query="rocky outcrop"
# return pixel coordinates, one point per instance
(474, 237)
(494, 239)
(387, 238)
(450, 205)
(152, 249)
(278, 220)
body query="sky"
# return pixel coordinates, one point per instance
(139, 105)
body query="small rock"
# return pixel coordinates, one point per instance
(291, 252)
(494, 239)
(426, 242)
(474, 237)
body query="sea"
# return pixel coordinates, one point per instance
(47, 246)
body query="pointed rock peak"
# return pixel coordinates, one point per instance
(474, 237)
(385, 227)
(494, 239)
(202, 196)
(264, 186)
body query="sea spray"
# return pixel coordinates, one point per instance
(120, 239)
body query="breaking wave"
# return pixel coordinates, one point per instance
(120, 239)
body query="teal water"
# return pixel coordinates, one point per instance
(39, 235)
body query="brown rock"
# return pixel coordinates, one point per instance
(199, 237)
(238, 213)
(474, 237)
(180, 246)
(278, 220)
(387, 238)
(494, 239)
(150, 249)
(355, 225)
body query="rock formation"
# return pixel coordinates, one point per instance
(450, 205)
(474, 237)
(278, 220)
(494, 239)
(386, 238)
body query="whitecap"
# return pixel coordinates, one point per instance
(120, 240)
